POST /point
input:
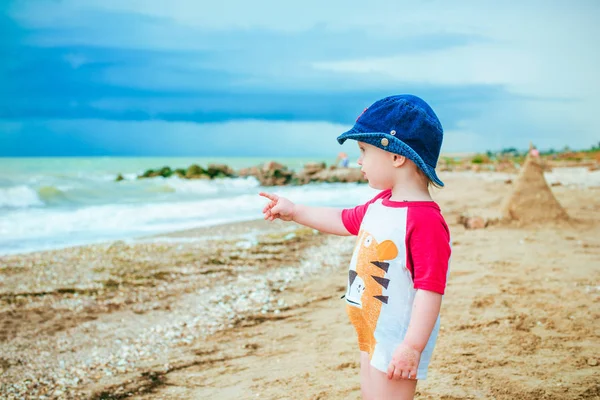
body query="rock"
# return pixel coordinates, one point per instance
(594, 167)
(270, 174)
(165, 172)
(592, 362)
(475, 223)
(472, 222)
(312, 168)
(308, 173)
(301, 179)
(195, 171)
(556, 184)
(508, 181)
(252, 171)
(149, 173)
(339, 175)
(275, 174)
(271, 166)
(119, 178)
(219, 171)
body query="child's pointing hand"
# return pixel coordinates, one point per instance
(279, 207)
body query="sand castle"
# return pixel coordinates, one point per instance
(532, 199)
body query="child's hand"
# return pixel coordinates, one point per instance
(279, 207)
(404, 364)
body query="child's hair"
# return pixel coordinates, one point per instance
(430, 182)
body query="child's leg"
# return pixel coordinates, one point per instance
(365, 368)
(382, 388)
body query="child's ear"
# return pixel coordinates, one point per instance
(398, 160)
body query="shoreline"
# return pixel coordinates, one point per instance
(196, 231)
(570, 177)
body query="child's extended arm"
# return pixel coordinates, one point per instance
(324, 219)
(405, 361)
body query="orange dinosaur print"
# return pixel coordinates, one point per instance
(366, 281)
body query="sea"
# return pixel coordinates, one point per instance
(50, 203)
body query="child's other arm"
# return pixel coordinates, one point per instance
(429, 256)
(324, 219)
(426, 308)
(406, 357)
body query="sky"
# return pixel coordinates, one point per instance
(272, 78)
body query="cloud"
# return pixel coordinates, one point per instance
(494, 73)
(232, 138)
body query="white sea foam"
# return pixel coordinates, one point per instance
(21, 196)
(31, 229)
(201, 186)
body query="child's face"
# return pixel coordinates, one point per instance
(377, 166)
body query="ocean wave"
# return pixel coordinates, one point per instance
(49, 226)
(161, 189)
(19, 197)
(213, 186)
(24, 196)
(51, 194)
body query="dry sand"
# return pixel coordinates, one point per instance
(259, 315)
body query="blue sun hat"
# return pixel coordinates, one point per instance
(404, 125)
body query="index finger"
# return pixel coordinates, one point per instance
(269, 196)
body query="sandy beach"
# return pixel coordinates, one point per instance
(253, 310)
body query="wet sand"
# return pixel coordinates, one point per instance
(253, 310)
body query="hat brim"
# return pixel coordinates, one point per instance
(395, 145)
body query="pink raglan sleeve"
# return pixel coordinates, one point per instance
(428, 248)
(352, 217)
